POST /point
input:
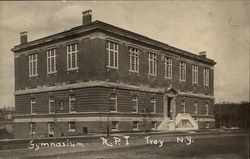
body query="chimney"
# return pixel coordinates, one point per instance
(202, 54)
(86, 17)
(23, 37)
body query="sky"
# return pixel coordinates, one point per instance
(219, 28)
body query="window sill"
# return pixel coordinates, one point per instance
(33, 75)
(136, 129)
(152, 74)
(135, 112)
(111, 67)
(49, 73)
(72, 131)
(115, 130)
(72, 112)
(169, 78)
(113, 111)
(72, 69)
(132, 71)
(32, 133)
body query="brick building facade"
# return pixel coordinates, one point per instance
(97, 75)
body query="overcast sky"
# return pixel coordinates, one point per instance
(220, 28)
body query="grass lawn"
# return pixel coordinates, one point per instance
(224, 147)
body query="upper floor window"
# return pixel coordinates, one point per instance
(134, 104)
(51, 105)
(152, 63)
(32, 105)
(207, 109)
(51, 61)
(182, 71)
(72, 126)
(112, 54)
(195, 108)
(133, 59)
(183, 105)
(153, 105)
(195, 74)
(32, 128)
(168, 67)
(72, 53)
(33, 65)
(206, 76)
(72, 103)
(113, 103)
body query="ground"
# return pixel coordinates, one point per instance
(205, 145)
(225, 147)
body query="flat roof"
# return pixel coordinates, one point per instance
(99, 25)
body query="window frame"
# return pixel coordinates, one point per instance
(168, 67)
(33, 60)
(113, 97)
(116, 126)
(182, 71)
(52, 100)
(206, 76)
(32, 128)
(183, 104)
(50, 126)
(137, 125)
(195, 74)
(153, 104)
(154, 125)
(51, 59)
(135, 99)
(70, 124)
(134, 59)
(195, 107)
(115, 54)
(70, 53)
(32, 103)
(152, 58)
(207, 109)
(72, 98)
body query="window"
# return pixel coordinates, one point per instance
(152, 64)
(72, 51)
(134, 104)
(114, 125)
(51, 128)
(135, 125)
(33, 65)
(153, 105)
(195, 108)
(207, 109)
(112, 54)
(182, 71)
(32, 105)
(32, 128)
(72, 126)
(113, 103)
(133, 59)
(154, 125)
(52, 105)
(72, 103)
(206, 77)
(168, 67)
(183, 105)
(194, 74)
(51, 61)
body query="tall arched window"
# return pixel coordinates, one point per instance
(183, 105)
(51, 105)
(207, 109)
(134, 104)
(32, 105)
(113, 103)
(72, 103)
(153, 105)
(195, 108)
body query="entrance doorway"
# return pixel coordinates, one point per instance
(169, 111)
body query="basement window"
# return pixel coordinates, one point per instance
(114, 125)
(72, 126)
